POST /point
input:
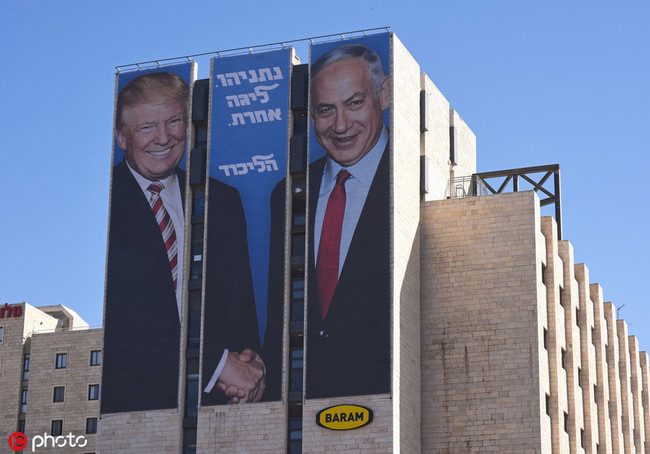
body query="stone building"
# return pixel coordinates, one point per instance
(50, 375)
(499, 341)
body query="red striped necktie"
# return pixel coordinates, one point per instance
(327, 264)
(166, 227)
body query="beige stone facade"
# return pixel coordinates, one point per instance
(51, 375)
(520, 354)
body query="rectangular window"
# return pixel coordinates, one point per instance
(566, 422)
(59, 394)
(93, 392)
(57, 427)
(95, 357)
(564, 359)
(91, 425)
(296, 370)
(26, 368)
(545, 338)
(61, 360)
(2, 333)
(23, 401)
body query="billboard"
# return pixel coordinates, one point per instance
(348, 288)
(145, 247)
(248, 143)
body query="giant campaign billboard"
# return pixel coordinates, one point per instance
(348, 251)
(248, 144)
(144, 291)
(348, 289)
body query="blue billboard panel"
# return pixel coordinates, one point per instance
(248, 143)
(142, 312)
(348, 258)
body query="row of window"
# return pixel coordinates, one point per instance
(58, 395)
(61, 361)
(57, 426)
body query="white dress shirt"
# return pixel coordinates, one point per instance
(173, 202)
(356, 190)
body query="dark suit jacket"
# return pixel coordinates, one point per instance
(348, 353)
(142, 329)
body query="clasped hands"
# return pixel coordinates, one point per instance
(242, 378)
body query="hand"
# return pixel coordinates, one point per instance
(242, 378)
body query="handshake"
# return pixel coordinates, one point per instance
(243, 377)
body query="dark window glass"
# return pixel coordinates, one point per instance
(192, 395)
(199, 202)
(59, 394)
(23, 401)
(91, 425)
(296, 369)
(26, 368)
(93, 392)
(61, 360)
(298, 245)
(57, 427)
(95, 357)
(2, 332)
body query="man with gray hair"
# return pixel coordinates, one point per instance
(348, 339)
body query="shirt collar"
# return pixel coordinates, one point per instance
(363, 171)
(144, 183)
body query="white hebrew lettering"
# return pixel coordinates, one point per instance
(274, 114)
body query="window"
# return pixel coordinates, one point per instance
(566, 422)
(95, 357)
(93, 392)
(91, 425)
(21, 426)
(26, 368)
(2, 333)
(582, 438)
(545, 338)
(57, 427)
(23, 401)
(59, 394)
(564, 359)
(295, 374)
(61, 360)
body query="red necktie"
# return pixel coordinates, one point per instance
(166, 227)
(327, 264)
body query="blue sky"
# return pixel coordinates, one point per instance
(538, 83)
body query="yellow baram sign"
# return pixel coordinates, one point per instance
(344, 417)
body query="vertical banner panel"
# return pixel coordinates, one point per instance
(145, 247)
(349, 303)
(248, 157)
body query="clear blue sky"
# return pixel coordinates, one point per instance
(538, 82)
